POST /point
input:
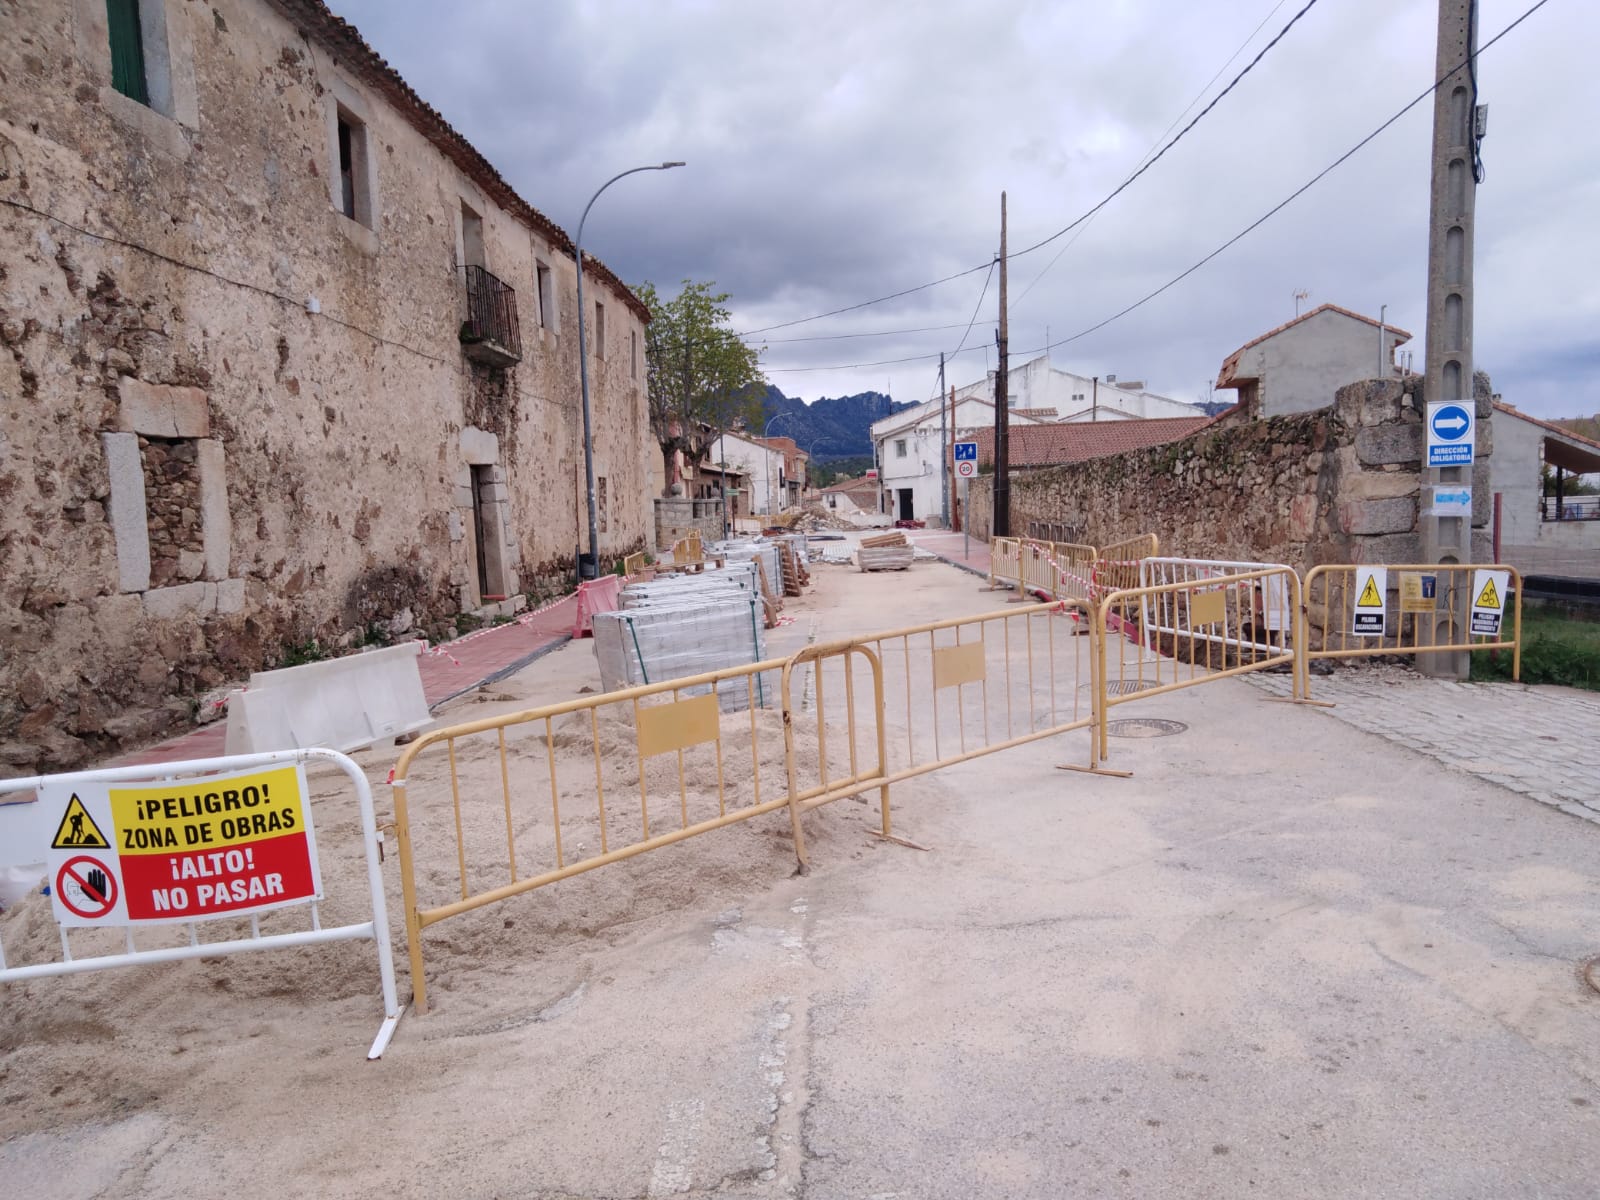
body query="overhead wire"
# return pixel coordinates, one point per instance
(1469, 62)
(1071, 225)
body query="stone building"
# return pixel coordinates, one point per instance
(284, 358)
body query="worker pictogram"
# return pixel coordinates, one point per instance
(86, 887)
(1370, 596)
(77, 830)
(1368, 618)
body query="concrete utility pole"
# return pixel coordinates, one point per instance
(1001, 524)
(1449, 349)
(944, 450)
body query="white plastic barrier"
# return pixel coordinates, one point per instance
(168, 844)
(339, 703)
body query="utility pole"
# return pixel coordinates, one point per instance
(1453, 204)
(1001, 524)
(944, 450)
(950, 468)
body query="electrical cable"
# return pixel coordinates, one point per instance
(1123, 186)
(1297, 193)
(1072, 241)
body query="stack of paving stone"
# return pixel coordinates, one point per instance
(885, 552)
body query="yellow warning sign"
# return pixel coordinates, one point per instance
(1371, 597)
(1489, 597)
(78, 830)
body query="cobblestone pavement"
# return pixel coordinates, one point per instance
(1543, 742)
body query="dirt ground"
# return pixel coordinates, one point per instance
(1284, 959)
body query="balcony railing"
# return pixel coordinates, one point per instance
(490, 334)
(1569, 508)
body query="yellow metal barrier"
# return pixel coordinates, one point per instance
(633, 566)
(1420, 620)
(1005, 561)
(944, 692)
(1117, 566)
(606, 747)
(857, 714)
(1181, 634)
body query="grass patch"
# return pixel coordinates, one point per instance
(1556, 649)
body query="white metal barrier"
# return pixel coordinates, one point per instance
(1267, 620)
(209, 847)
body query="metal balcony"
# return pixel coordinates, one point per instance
(490, 334)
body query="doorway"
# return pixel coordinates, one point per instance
(907, 508)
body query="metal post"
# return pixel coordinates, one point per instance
(583, 373)
(1000, 519)
(1450, 243)
(944, 450)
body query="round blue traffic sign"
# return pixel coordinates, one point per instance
(1451, 422)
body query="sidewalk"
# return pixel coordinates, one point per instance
(448, 670)
(955, 548)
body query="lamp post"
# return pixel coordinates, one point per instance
(583, 373)
(766, 463)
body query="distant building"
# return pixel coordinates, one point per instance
(1037, 385)
(1061, 444)
(1298, 366)
(851, 496)
(907, 450)
(1544, 528)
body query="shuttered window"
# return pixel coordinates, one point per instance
(127, 49)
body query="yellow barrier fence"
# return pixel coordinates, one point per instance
(1005, 561)
(594, 781)
(1117, 565)
(654, 765)
(1154, 640)
(1423, 609)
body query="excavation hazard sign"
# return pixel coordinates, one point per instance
(1370, 585)
(183, 850)
(1488, 602)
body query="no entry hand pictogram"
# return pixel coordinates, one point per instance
(87, 887)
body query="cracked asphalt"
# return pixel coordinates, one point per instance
(1289, 957)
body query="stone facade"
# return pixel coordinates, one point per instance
(679, 516)
(1339, 485)
(234, 418)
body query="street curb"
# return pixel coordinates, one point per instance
(509, 669)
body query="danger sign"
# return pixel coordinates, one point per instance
(184, 850)
(1371, 583)
(1488, 602)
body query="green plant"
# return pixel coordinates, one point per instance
(467, 623)
(295, 654)
(1556, 649)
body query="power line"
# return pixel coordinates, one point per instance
(834, 337)
(1296, 194)
(1123, 186)
(1072, 241)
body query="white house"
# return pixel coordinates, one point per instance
(1298, 366)
(909, 455)
(1037, 385)
(761, 465)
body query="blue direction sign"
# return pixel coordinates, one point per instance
(1451, 434)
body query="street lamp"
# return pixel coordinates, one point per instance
(583, 374)
(766, 463)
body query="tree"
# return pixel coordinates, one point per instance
(702, 379)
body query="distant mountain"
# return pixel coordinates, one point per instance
(832, 427)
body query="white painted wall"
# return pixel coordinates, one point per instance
(1038, 384)
(762, 468)
(1302, 367)
(916, 464)
(1556, 547)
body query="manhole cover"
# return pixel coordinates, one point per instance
(1124, 687)
(1144, 727)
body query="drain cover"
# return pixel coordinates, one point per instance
(1124, 687)
(1144, 727)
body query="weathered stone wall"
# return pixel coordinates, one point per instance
(1341, 484)
(233, 419)
(677, 517)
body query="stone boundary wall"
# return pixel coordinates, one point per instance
(1340, 484)
(678, 516)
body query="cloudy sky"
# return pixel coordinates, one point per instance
(841, 151)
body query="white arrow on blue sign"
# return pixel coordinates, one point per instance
(1452, 501)
(1450, 434)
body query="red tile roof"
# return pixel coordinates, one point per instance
(1226, 378)
(1057, 445)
